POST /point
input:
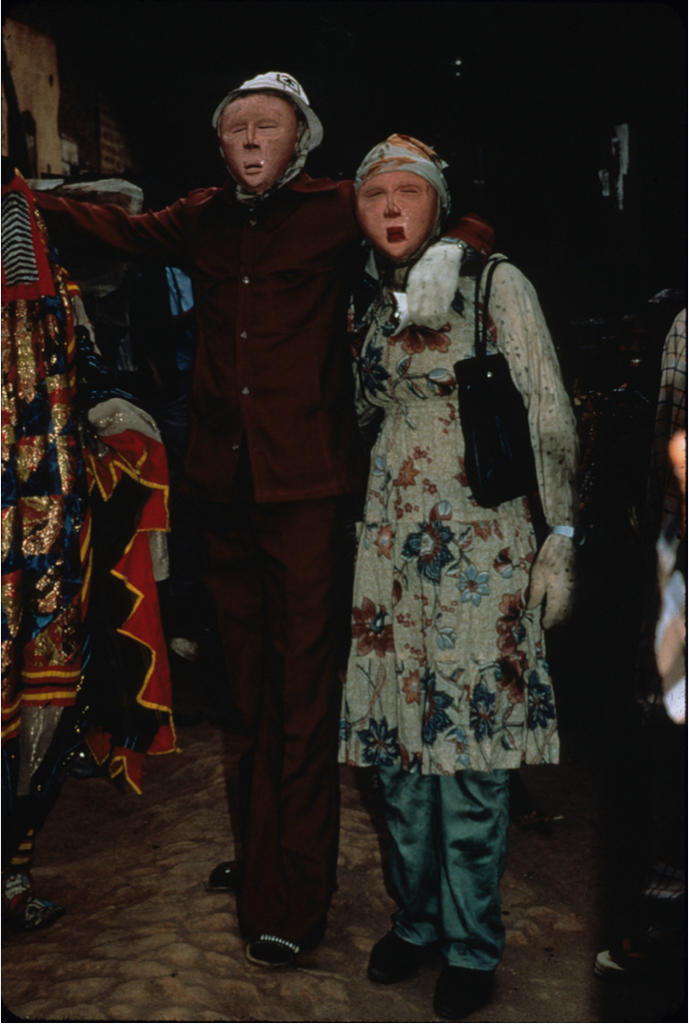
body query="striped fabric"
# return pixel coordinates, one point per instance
(26, 270)
(18, 258)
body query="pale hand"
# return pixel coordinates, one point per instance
(552, 580)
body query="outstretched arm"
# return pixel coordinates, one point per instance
(157, 235)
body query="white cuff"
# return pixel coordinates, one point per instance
(564, 531)
(402, 310)
(453, 241)
(675, 701)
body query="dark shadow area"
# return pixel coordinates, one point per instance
(524, 101)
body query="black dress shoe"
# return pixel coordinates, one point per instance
(392, 959)
(460, 991)
(226, 877)
(81, 764)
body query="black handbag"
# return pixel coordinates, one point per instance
(498, 457)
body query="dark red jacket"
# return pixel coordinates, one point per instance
(271, 285)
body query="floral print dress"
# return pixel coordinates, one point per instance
(447, 668)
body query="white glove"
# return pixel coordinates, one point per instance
(432, 284)
(552, 579)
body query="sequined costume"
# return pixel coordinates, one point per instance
(45, 549)
(54, 462)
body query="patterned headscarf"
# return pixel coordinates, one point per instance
(309, 127)
(404, 153)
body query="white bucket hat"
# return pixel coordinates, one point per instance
(280, 82)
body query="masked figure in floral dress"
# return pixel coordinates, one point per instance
(447, 686)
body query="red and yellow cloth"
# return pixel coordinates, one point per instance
(48, 474)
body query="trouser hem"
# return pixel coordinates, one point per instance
(470, 963)
(412, 939)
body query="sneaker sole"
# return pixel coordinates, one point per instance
(290, 957)
(268, 963)
(605, 967)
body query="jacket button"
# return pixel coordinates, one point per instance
(252, 222)
(245, 391)
(235, 447)
(245, 279)
(243, 335)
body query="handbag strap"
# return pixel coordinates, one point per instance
(481, 322)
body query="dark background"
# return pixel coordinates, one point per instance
(525, 121)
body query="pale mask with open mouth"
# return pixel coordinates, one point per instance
(397, 212)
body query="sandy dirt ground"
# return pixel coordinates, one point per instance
(143, 941)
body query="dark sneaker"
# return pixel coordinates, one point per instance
(21, 909)
(82, 765)
(226, 877)
(621, 961)
(460, 991)
(271, 951)
(393, 959)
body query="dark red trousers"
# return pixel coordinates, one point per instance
(272, 570)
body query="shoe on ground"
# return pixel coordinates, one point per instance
(225, 877)
(38, 913)
(81, 764)
(393, 959)
(22, 910)
(271, 951)
(460, 991)
(621, 961)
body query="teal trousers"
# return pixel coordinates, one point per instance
(448, 844)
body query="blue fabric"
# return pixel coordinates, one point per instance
(448, 845)
(181, 298)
